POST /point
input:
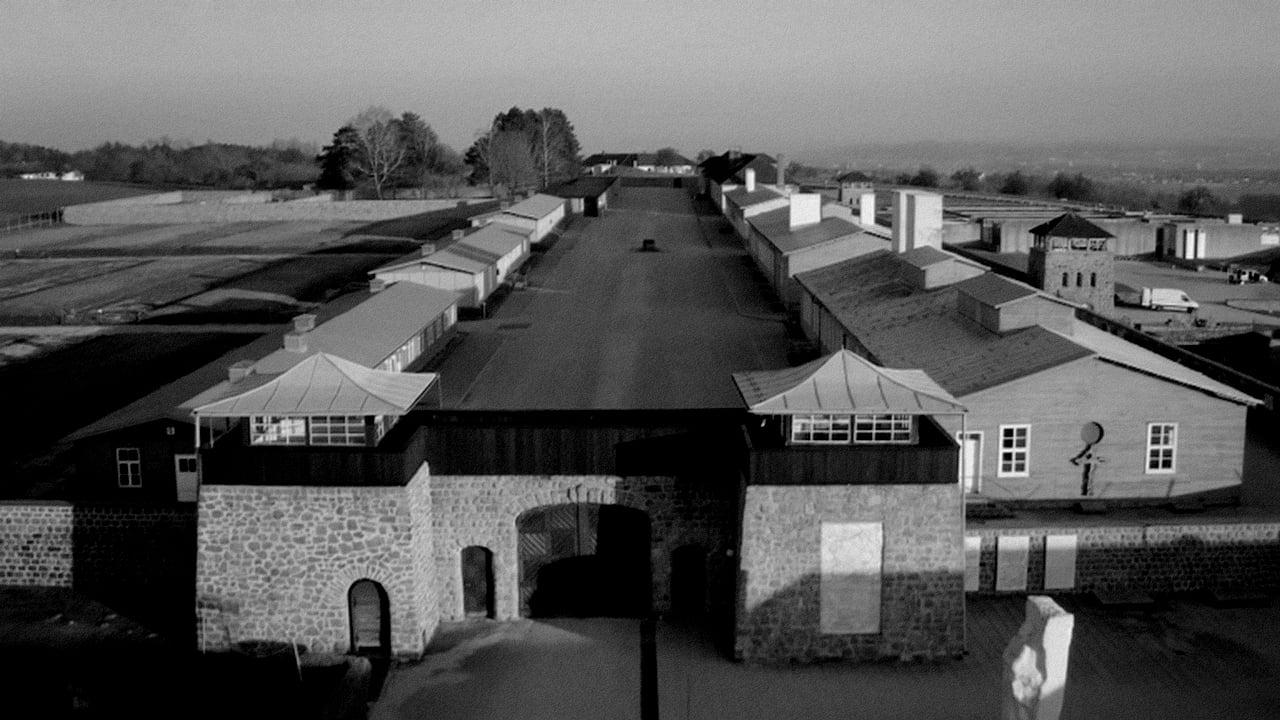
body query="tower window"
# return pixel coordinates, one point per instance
(1079, 279)
(1066, 279)
(1093, 279)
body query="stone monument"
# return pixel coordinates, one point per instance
(1035, 663)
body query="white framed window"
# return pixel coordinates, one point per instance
(128, 467)
(1162, 447)
(820, 429)
(882, 429)
(278, 430)
(337, 430)
(185, 464)
(1015, 451)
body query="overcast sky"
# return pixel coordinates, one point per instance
(778, 75)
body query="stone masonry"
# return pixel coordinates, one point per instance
(1150, 558)
(35, 543)
(482, 510)
(277, 562)
(922, 576)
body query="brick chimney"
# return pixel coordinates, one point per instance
(782, 171)
(751, 180)
(377, 285)
(295, 342)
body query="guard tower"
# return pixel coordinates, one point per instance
(1074, 259)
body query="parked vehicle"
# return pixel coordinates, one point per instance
(1167, 299)
(1238, 274)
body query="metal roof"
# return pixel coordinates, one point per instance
(843, 383)
(775, 226)
(536, 207)
(324, 384)
(923, 257)
(495, 239)
(583, 187)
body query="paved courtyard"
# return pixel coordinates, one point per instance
(603, 325)
(1184, 660)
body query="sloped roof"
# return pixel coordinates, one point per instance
(742, 198)
(994, 290)
(902, 326)
(843, 383)
(495, 240)
(372, 330)
(923, 257)
(446, 258)
(775, 226)
(536, 207)
(1069, 225)
(605, 158)
(324, 384)
(1121, 352)
(583, 187)
(721, 168)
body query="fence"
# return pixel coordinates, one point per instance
(22, 222)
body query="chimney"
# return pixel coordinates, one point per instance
(295, 342)
(377, 285)
(459, 233)
(901, 233)
(926, 219)
(239, 370)
(304, 323)
(427, 249)
(867, 208)
(1235, 219)
(781, 181)
(806, 209)
(751, 180)
(733, 153)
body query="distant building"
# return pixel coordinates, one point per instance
(727, 171)
(588, 196)
(605, 163)
(539, 215)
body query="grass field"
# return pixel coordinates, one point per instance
(28, 197)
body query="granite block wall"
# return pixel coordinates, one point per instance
(1151, 558)
(482, 510)
(922, 572)
(35, 544)
(276, 563)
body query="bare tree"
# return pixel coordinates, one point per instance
(380, 149)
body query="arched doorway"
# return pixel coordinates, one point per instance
(370, 611)
(477, 582)
(689, 580)
(583, 560)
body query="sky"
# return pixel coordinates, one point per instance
(774, 76)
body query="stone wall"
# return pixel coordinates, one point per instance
(165, 210)
(922, 575)
(1150, 558)
(482, 510)
(35, 543)
(277, 562)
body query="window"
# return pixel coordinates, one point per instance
(882, 429)
(186, 463)
(1162, 447)
(1093, 279)
(1015, 443)
(128, 467)
(277, 430)
(820, 429)
(1079, 279)
(1066, 279)
(381, 425)
(337, 430)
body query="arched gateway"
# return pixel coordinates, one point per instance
(584, 559)
(370, 611)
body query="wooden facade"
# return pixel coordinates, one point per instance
(931, 460)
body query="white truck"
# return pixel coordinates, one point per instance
(1167, 299)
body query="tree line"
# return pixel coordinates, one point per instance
(284, 163)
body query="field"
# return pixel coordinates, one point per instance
(28, 197)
